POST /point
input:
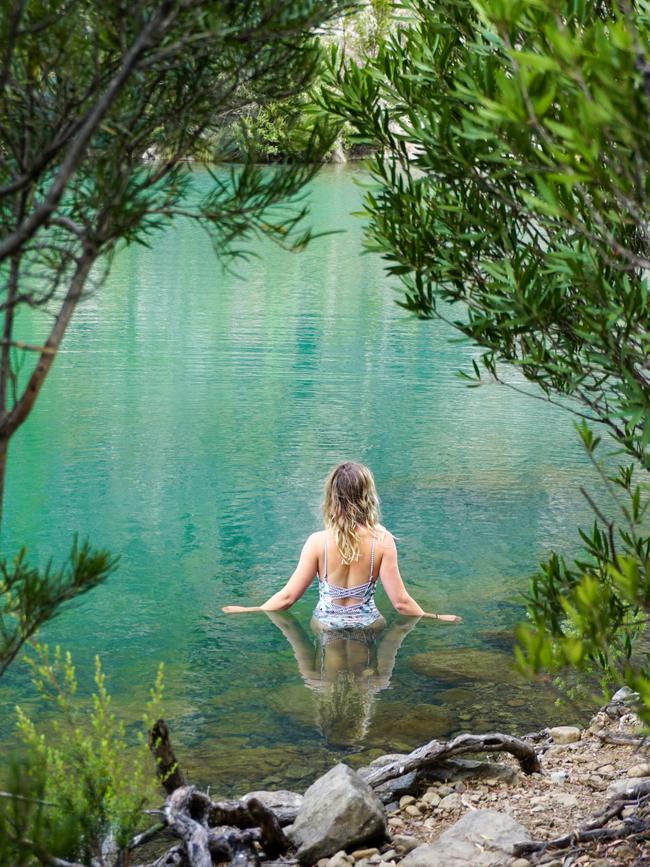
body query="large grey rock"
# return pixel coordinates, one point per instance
(339, 810)
(482, 838)
(284, 804)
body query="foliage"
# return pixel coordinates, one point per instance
(93, 779)
(30, 597)
(103, 108)
(511, 198)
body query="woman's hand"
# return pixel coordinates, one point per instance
(449, 618)
(238, 609)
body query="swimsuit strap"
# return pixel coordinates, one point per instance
(325, 557)
(372, 558)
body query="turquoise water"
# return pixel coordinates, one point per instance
(188, 425)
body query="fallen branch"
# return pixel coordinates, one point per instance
(616, 807)
(436, 751)
(622, 740)
(167, 767)
(632, 826)
(147, 835)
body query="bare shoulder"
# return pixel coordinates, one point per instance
(386, 539)
(315, 540)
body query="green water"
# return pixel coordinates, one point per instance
(188, 425)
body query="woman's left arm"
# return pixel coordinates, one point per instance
(295, 586)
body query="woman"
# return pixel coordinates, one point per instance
(347, 557)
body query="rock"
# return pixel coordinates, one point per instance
(388, 856)
(559, 776)
(284, 804)
(364, 853)
(339, 810)
(641, 770)
(482, 838)
(443, 791)
(564, 799)
(565, 734)
(340, 859)
(520, 862)
(624, 694)
(405, 800)
(413, 811)
(432, 798)
(451, 802)
(458, 665)
(404, 843)
(618, 787)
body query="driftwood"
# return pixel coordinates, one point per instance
(632, 826)
(193, 833)
(622, 739)
(436, 751)
(167, 768)
(226, 830)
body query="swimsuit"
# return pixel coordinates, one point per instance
(336, 616)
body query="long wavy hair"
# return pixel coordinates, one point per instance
(350, 501)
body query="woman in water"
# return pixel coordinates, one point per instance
(347, 557)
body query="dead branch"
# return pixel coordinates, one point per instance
(147, 835)
(633, 826)
(273, 838)
(193, 834)
(167, 768)
(436, 751)
(622, 740)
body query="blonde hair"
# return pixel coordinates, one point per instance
(350, 501)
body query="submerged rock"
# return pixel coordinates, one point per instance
(339, 810)
(466, 664)
(482, 838)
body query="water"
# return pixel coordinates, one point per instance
(188, 425)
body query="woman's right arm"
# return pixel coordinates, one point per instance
(399, 596)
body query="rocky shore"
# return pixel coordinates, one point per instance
(561, 797)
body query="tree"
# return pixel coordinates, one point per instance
(511, 199)
(103, 108)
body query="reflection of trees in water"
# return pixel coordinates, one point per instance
(345, 668)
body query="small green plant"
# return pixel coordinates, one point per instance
(86, 782)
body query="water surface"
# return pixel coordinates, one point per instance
(188, 425)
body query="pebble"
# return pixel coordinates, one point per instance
(364, 853)
(340, 859)
(641, 770)
(432, 798)
(520, 862)
(388, 856)
(565, 734)
(405, 800)
(559, 776)
(445, 790)
(394, 822)
(405, 843)
(412, 810)
(451, 802)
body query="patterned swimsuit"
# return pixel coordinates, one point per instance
(336, 616)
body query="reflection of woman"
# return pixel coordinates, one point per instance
(345, 669)
(348, 557)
